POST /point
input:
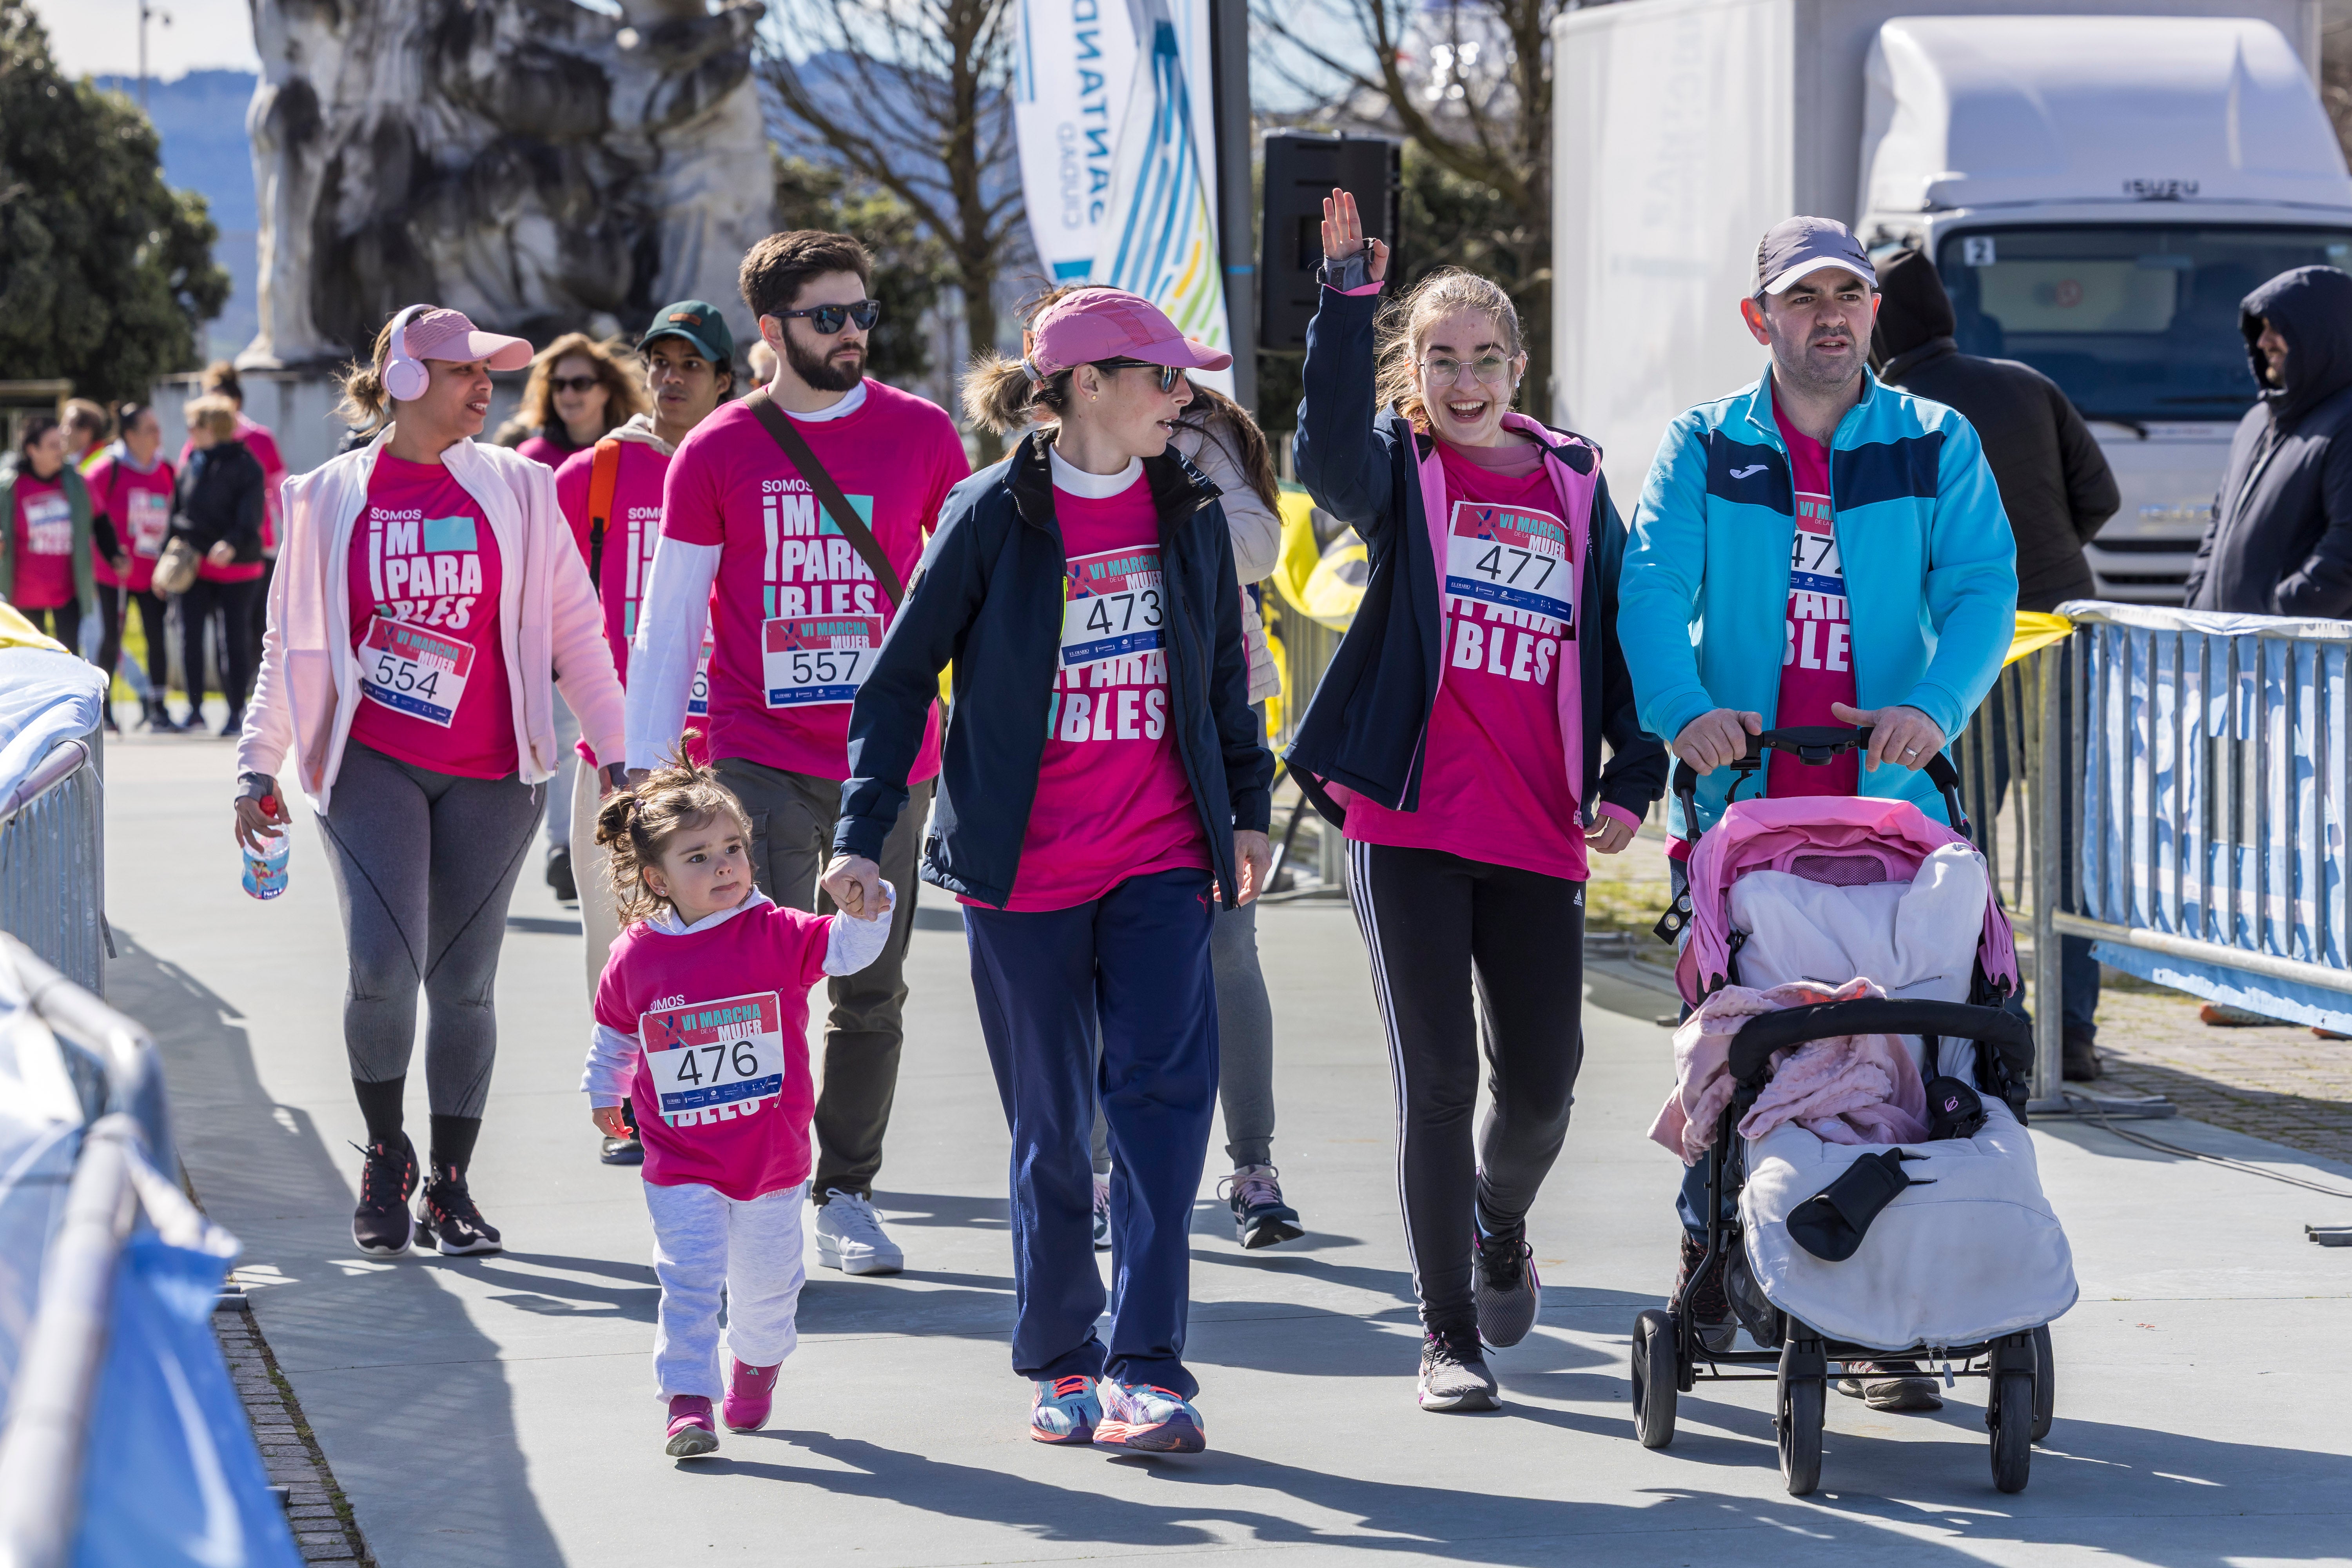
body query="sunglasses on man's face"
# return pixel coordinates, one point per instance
(830, 319)
(572, 383)
(1167, 374)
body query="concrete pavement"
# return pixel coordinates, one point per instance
(498, 1410)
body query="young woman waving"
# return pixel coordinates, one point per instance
(428, 604)
(1462, 722)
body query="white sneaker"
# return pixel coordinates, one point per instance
(1102, 1214)
(850, 1237)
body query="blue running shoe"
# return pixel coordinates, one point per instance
(1066, 1411)
(1148, 1419)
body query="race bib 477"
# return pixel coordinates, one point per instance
(714, 1061)
(1512, 556)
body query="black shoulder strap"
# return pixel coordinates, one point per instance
(779, 426)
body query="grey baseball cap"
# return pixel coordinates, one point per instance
(1796, 246)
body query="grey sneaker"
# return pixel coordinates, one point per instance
(1454, 1374)
(1890, 1385)
(1503, 1281)
(1260, 1216)
(850, 1237)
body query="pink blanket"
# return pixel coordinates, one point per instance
(1849, 1088)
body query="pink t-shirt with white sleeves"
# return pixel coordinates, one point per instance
(1493, 781)
(721, 1088)
(140, 505)
(1112, 802)
(1817, 663)
(797, 614)
(424, 577)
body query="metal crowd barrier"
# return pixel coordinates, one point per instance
(53, 861)
(2179, 795)
(43, 1449)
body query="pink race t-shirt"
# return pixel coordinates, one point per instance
(1817, 662)
(1112, 802)
(722, 1088)
(44, 525)
(140, 506)
(632, 529)
(797, 613)
(1494, 776)
(424, 577)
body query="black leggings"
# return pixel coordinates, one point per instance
(111, 607)
(232, 603)
(1434, 922)
(63, 622)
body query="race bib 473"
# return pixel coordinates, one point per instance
(714, 1061)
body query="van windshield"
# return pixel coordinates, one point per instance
(2137, 322)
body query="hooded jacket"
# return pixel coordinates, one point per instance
(77, 493)
(220, 497)
(2055, 483)
(2280, 540)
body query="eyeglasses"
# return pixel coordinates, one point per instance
(572, 383)
(830, 319)
(1492, 369)
(1167, 373)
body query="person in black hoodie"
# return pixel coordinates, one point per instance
(218, 510)
(2280, 540)
(2054, 484)
(2054, 481)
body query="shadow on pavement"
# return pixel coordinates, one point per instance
(333, 1318)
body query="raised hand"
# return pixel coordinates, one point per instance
(1343, 235)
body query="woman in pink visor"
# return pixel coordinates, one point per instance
(428, 606)
(1088, 578)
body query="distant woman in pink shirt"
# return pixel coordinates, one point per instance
(578, 394)
(1457, 739)
(427, 607)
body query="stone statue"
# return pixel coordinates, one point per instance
(540, 166)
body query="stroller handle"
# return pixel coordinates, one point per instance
(1814, 745)
(1752, 1047)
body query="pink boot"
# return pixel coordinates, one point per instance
(691, 1435)
(749, 1391)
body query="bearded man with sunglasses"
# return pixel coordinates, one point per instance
(796, 596)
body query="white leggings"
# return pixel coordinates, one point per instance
(704, 1242)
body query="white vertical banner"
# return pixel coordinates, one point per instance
(1159, 237)
(1073, 62)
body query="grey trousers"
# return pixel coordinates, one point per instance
(1245, 1044)
(792, 816)
(424, 864)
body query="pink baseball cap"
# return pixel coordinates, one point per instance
(447, 335)
(1091, 324)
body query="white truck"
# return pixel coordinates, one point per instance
(2098, 185)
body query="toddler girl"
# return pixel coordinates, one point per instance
(702, 1025)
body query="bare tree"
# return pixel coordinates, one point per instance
(915, 97)
(1468, 83)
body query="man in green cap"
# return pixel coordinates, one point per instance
(612, 494)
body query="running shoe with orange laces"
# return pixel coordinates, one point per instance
(1066, 1410)
(1148, 1419)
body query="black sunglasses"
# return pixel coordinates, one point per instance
(572, 383)
(1167, 373)
(830, 319)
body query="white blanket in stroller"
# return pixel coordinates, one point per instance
(1975, 1255)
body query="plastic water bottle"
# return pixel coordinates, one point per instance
(265, 868)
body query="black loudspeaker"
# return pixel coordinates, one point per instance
(1300, 171)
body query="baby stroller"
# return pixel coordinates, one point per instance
(1831, 1255)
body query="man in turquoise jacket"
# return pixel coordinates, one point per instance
(1823, 549)
(1736, 599)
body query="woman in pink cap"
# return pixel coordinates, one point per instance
(427, 604)
(1088, 578)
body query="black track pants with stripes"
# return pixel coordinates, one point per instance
(1436, 924)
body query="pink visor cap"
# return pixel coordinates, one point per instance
(1092, 324)
(447, 335)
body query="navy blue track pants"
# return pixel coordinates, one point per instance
(1137, 958)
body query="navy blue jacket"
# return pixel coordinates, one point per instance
(989, 596)
(1365, 726)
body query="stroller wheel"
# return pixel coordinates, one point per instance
(2045, 1385)
(1804, 1379)
(1654, 1379)
(2011, 1417)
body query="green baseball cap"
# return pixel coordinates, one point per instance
(699, 323)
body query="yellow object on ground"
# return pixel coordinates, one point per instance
(2036, 631)
(1325, 583)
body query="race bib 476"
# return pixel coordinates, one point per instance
(714, 1061)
